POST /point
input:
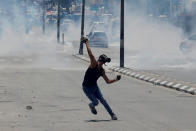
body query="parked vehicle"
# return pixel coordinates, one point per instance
(98, 39)
(188, 45)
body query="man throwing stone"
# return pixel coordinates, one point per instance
(90, 87)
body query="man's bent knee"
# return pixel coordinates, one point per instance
(95, 102)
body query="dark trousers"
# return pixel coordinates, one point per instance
(94, 94)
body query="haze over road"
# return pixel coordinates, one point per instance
(175, 68)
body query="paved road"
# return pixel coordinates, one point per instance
(53, 90)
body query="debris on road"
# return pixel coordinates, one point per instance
(29, 107)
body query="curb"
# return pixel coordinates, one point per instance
(150, 78)
(179, 86)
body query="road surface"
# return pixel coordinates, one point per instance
(53, 89)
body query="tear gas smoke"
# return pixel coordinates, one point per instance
(22, 36)
(151, 43)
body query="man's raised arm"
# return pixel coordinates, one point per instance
(92, 58)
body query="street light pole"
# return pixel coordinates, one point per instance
(171, 9)
(122, 35)
(58, 23)
(68, 5)
(26, 18)
(82, 27)
(43, 18)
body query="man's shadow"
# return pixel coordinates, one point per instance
(98, 121)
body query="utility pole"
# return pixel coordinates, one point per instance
(82, 27)
(68, 3)
(171, 9)
(122, 35)
(58, 23)
(43, 17)
(63, 39)
(26, 17)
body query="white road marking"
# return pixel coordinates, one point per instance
(163, 82)
(132, 74)
(137, 75)
(177, 85)
(191, 89)
(116, 69)
(124, 71)
(121, 70)
(151, 80)
(128, 73)
(147, 78)
(141, 77)
(183, 87)
(157, 81)
(170, 84)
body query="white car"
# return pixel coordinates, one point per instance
(188, 45)
(98, 39)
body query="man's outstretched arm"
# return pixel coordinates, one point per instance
(108, 81)
(92, 58)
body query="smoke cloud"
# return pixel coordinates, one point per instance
(21, 36)
(151, 43)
